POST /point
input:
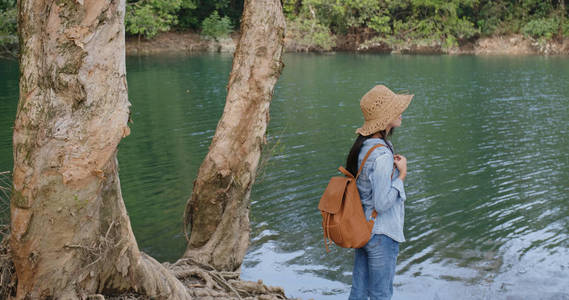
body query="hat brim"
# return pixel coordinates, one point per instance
(372, 126)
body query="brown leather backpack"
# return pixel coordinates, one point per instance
(343, 219)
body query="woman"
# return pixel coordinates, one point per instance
(380, 185)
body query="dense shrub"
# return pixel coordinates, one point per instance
(310, 35)
(8, 21)
(8, 28)
(380, 24)
(541, 28)
(215, 26)
(491, 17)
(149, 17)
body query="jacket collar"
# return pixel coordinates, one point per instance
(374, 141)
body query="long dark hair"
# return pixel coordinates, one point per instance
(352, 160)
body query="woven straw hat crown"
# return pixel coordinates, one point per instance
(380, 106)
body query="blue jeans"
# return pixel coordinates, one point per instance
(374, 269)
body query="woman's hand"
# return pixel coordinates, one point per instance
(401, 164)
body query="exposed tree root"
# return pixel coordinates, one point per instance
(155, 280)
(201, 281)
(8, 281)
(204, 282)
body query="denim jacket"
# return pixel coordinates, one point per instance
(381, 191)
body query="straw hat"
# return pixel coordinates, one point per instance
(380, 106)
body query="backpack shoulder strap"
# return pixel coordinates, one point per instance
(366, 157)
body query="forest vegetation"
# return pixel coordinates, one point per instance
(319, 24)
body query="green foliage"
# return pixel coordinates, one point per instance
(291, 8)
(311, 35)
(215, 26)
(8, 29)
(450, 42)
(353, 14)
(442, 22)
(462, 28)
(531, 17)
(491, 17)
(342, 15)
(429, 22)
(541, 28)
(149, 17)
(192, 17)
(186, 16)
(380, 24)
(7, 4)
(9, 22)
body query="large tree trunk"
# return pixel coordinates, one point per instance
(218, 210)
(71, 235)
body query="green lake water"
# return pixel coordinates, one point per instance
(487, 142)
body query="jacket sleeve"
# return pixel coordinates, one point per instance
(385, 191)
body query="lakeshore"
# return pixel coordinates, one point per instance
(190, 42)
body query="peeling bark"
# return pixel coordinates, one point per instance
(218, 210)
(70, 233)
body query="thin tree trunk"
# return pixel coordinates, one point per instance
(218, 210)
(71, 235)
(562, 20)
